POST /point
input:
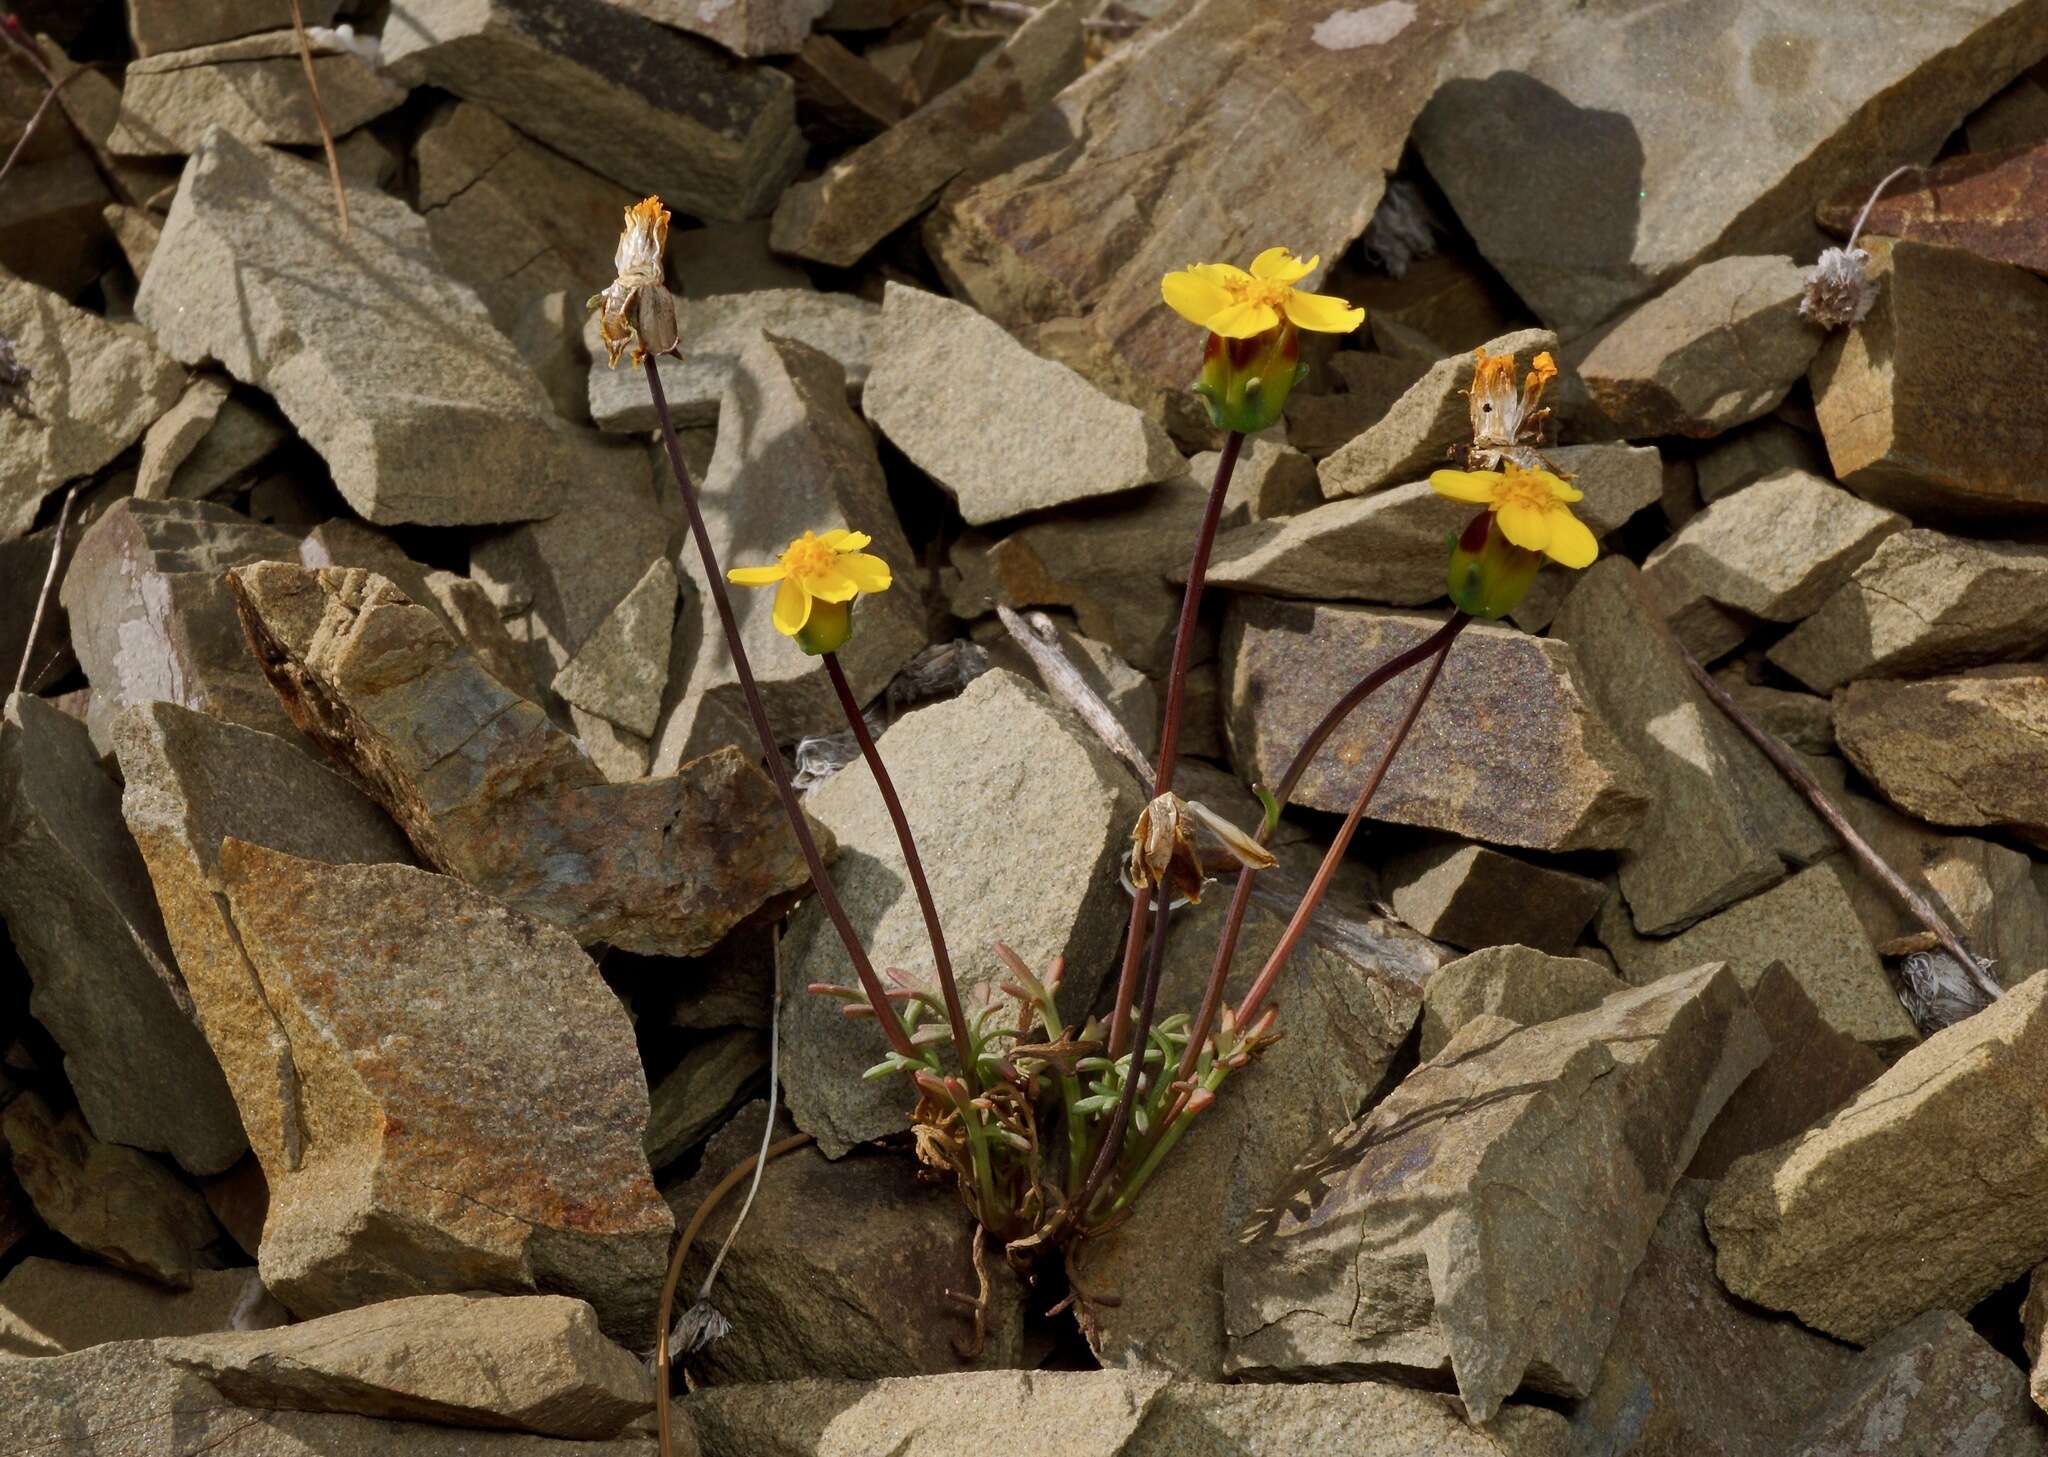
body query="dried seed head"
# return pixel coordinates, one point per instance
(1938, 992)
(637, 307)
(1838, 292)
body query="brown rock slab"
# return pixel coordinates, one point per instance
(1991, 204)
(1519, 983)
(1272, 478)
(1803, 721)
(490, 791)
(1833, 1226)
(744, 27)
(631, 100)
(1481, 1224)
(176, 433)
(529, 1363)
(1748, 455)
(48, 1308)
(1318, 423)
(700, 1092)
(1966, 750)
(2033, 1320)
(1509, 749)
(620, 671)
(82, 917)
(1475, 896)
(1916, 401)
(255, 86)
(1933, 1385)
(1924, 603)
(176, 25)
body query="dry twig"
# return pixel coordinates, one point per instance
(35, 624)
(320, 114)
(1033, 633)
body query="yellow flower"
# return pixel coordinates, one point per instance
(818, 577)
(1234, 304)
(638, 308)
(1532, 508)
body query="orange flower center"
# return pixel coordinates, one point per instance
(1525, 488)
(1259, 291)
(807, 558)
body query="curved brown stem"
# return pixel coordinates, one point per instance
(1076, 1211)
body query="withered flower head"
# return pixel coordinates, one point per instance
(637, 306)
(1838, 292)
(1164, 849)
(1507, 417)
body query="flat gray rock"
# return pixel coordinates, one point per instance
(254, 86)
(1519, 983)
(1933, 1385)
(1476, 896)
(48, 1308)
(176, 25)
(620, 671)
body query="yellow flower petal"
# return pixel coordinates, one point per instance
(1194, 298)
(1279, 265)
(1525, 525)
(831, 586)
(1560, 489)
(1476, 486)
(1242, 321)
(792, 607)
(1324, 313)
(869, 573)
(1225, 274)
(766, 576)
(1571, 541)
(843, 540)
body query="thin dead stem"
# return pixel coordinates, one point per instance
(30, 51)
(35, 624)
(320, 115)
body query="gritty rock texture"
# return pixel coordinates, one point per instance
(177, 25)
(1516, 982)
(620, 670)
(1988, 205)
(254, 86)
(1932, 1385)
(48, 1308)
(1969, 750)
(1475, 896)
(744, 27)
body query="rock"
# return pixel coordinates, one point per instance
(1318, 423)
(1748, 455)
(1691, 1369)
(1273, 1420)
(1719, 348)
(2015, 117)
(1912, 400)
(1813, 1069)
(720, 328)
(1965, 750)
(108, 1200)
(747, 28)
(245, 431)
(490, 791)
(1803, 721)
(1722, 822)
(1443, 304)
(52, 229)
(785, 419)
(176, 432)
(23, 565)
(633, 101)
(1516, 982)
(389, 368)
(842, 1271)
(702, 1090)
(1933, 1385)
(1987, 205)
(1776, 550)
(1728, 156)
(939, 391)
(78, 906)
(1508, 750)
(176, 25)
(729, 258)
(1474, 896)
(478, 183)
(1924, 603)
(2033, 1319)
(532, 1363)
(1132, 698)
(872, 191)
(151, 619)
(958, 766)
(1834, 1226)
(1416, 434)
(92, 388)
(254, 86)
(48, 1308)
(1482, 1222)
(842, 99)
(1271, 479)
(619, 672)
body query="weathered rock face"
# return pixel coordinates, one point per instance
(78, 906)
(870, 192)
(254, 86)
(1748, 455)
(1967, 750)
(1932, 1385)
(1507, 750)
(1924, 603)
(1722, 822)
(92, 388)
(946, 390)
(619, 672)
(1482, 1222)
(1034, 868)
(48, 1308)
(533, 1363)
(1835, 1225)
(2033, 1320)
(1518, 983)
(1915, 400)
(422, 410)
(489, 790)
(785, 420)
(746, 28)
(1474, 896)
(629, 99)
(701, 1091)
(1988, 205)
(170, 25)
(423, 1023)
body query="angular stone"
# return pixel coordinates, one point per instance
(116, 1203)
(52, 231)
(842, 99)
(479, 182)
(176, 432)
(1913, 400)
(176, 25)
(958, 767)
(78, 906)
(1516, 982)
(1719, 348)
(1482, 1222)
(254, 86)
(1474, 896)
(620, 671)
(385, 365)
(701, 1091)
(631, 100)
(728, 258)
(2015, 117)
(489, 790)
(1275, 1420)
(785, 419)
(1967, 750)
(1748, 455)
(2033, 1320)
(1508, 750)
(1834, 1225)
(1804, 721)
(92, 387)
(1924, 603)
(1271, 479)
(246, 430)
(532, 1363)
(1415, 436)
(744, 27)
(872, 191)
(1722, 821)
(48, 1308)
(938, 392)
(1691, 1369)
(1319, 423)
(1992, 206)
(1933, 1385)
(720, 328)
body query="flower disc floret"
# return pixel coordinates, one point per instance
(1232, 303)
(1531, 507)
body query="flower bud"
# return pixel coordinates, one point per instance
(1489, 575)
(826, 629)
(1245, 382)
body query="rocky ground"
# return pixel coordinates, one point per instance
(389, 875)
